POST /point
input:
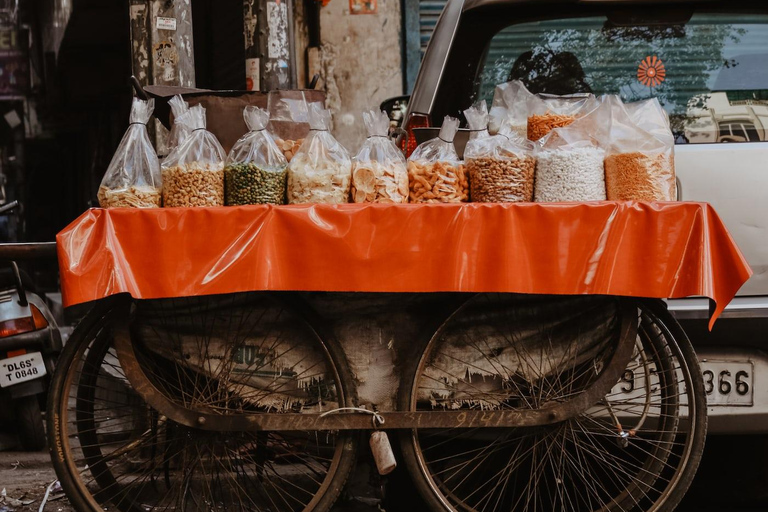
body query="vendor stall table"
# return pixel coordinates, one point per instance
(233, 354)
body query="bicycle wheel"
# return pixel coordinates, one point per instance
(630, 451)
(235, 355)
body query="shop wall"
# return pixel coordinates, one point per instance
(360, 63)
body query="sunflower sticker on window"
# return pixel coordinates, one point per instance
(651, 72)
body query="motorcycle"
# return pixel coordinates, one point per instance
(30, 341)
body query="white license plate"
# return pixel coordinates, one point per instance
(15, 370)
(726, 383)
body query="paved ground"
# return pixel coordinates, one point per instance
(24, 477)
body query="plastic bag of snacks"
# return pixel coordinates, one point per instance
(256, 171)
(321, 170)
(650, 116)
(193, 174)
(510, 108)
(379, 172)
(289, 120)
(435, 173)
(569, 160)
(547, 112)
(179, 130)
(501, 169)
(639, 162)
(133, 177)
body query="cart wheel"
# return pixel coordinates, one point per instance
(637, 449)
(238, 354)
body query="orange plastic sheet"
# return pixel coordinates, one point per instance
(662, 250)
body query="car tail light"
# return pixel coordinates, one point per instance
(22, 325)
(408, 142)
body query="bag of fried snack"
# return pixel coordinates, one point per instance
(500, 167)
(639, 161)
(179, 130)
(435, 172)
(193, 174)
(321, 170)
(133, 177)
(548, 111)
(510, 107)
(379, 172)
(288, 120)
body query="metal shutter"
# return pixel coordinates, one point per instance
(429, 12)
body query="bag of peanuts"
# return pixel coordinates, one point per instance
(569, 160)
(193, 174)
(509, 110)
(639, 161)
(179, 130)
(501, 168)
(256, 171)
(288, 120)
(379, 172)
(321, 170)
(548, 111)
(435, 173)
(133, 177)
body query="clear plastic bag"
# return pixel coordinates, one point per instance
(321, 170)
(569, 160)
(509, 110)
(288, 120)
(179, 130)
(547, 112)
(133, 177)
(639, 162)
(379, 172)
(650, 116)
(501, 169)
(193, 174)
(435, 173)
(256, 171)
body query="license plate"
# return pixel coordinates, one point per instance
(726, 383)
(15, 370)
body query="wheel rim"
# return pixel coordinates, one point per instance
(580, 464)
(126, 456)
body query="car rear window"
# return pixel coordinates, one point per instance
(710, 71)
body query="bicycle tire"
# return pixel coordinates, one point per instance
(70, 475)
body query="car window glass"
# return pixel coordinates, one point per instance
(710, 73)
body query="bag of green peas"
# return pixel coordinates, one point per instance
(255, 170)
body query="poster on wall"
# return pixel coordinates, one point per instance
(14, 62)
(363, 6)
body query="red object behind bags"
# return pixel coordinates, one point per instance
(662, 250)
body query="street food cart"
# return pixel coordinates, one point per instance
(520, 354)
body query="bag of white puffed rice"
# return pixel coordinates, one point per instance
(509, 110)
(501, 167)
(569, 160)
(379, 173)
(435, 172)
(639, 161)
(193, 174)
(133, 177)
(548, 111)
(179, 130)
(321, 170)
